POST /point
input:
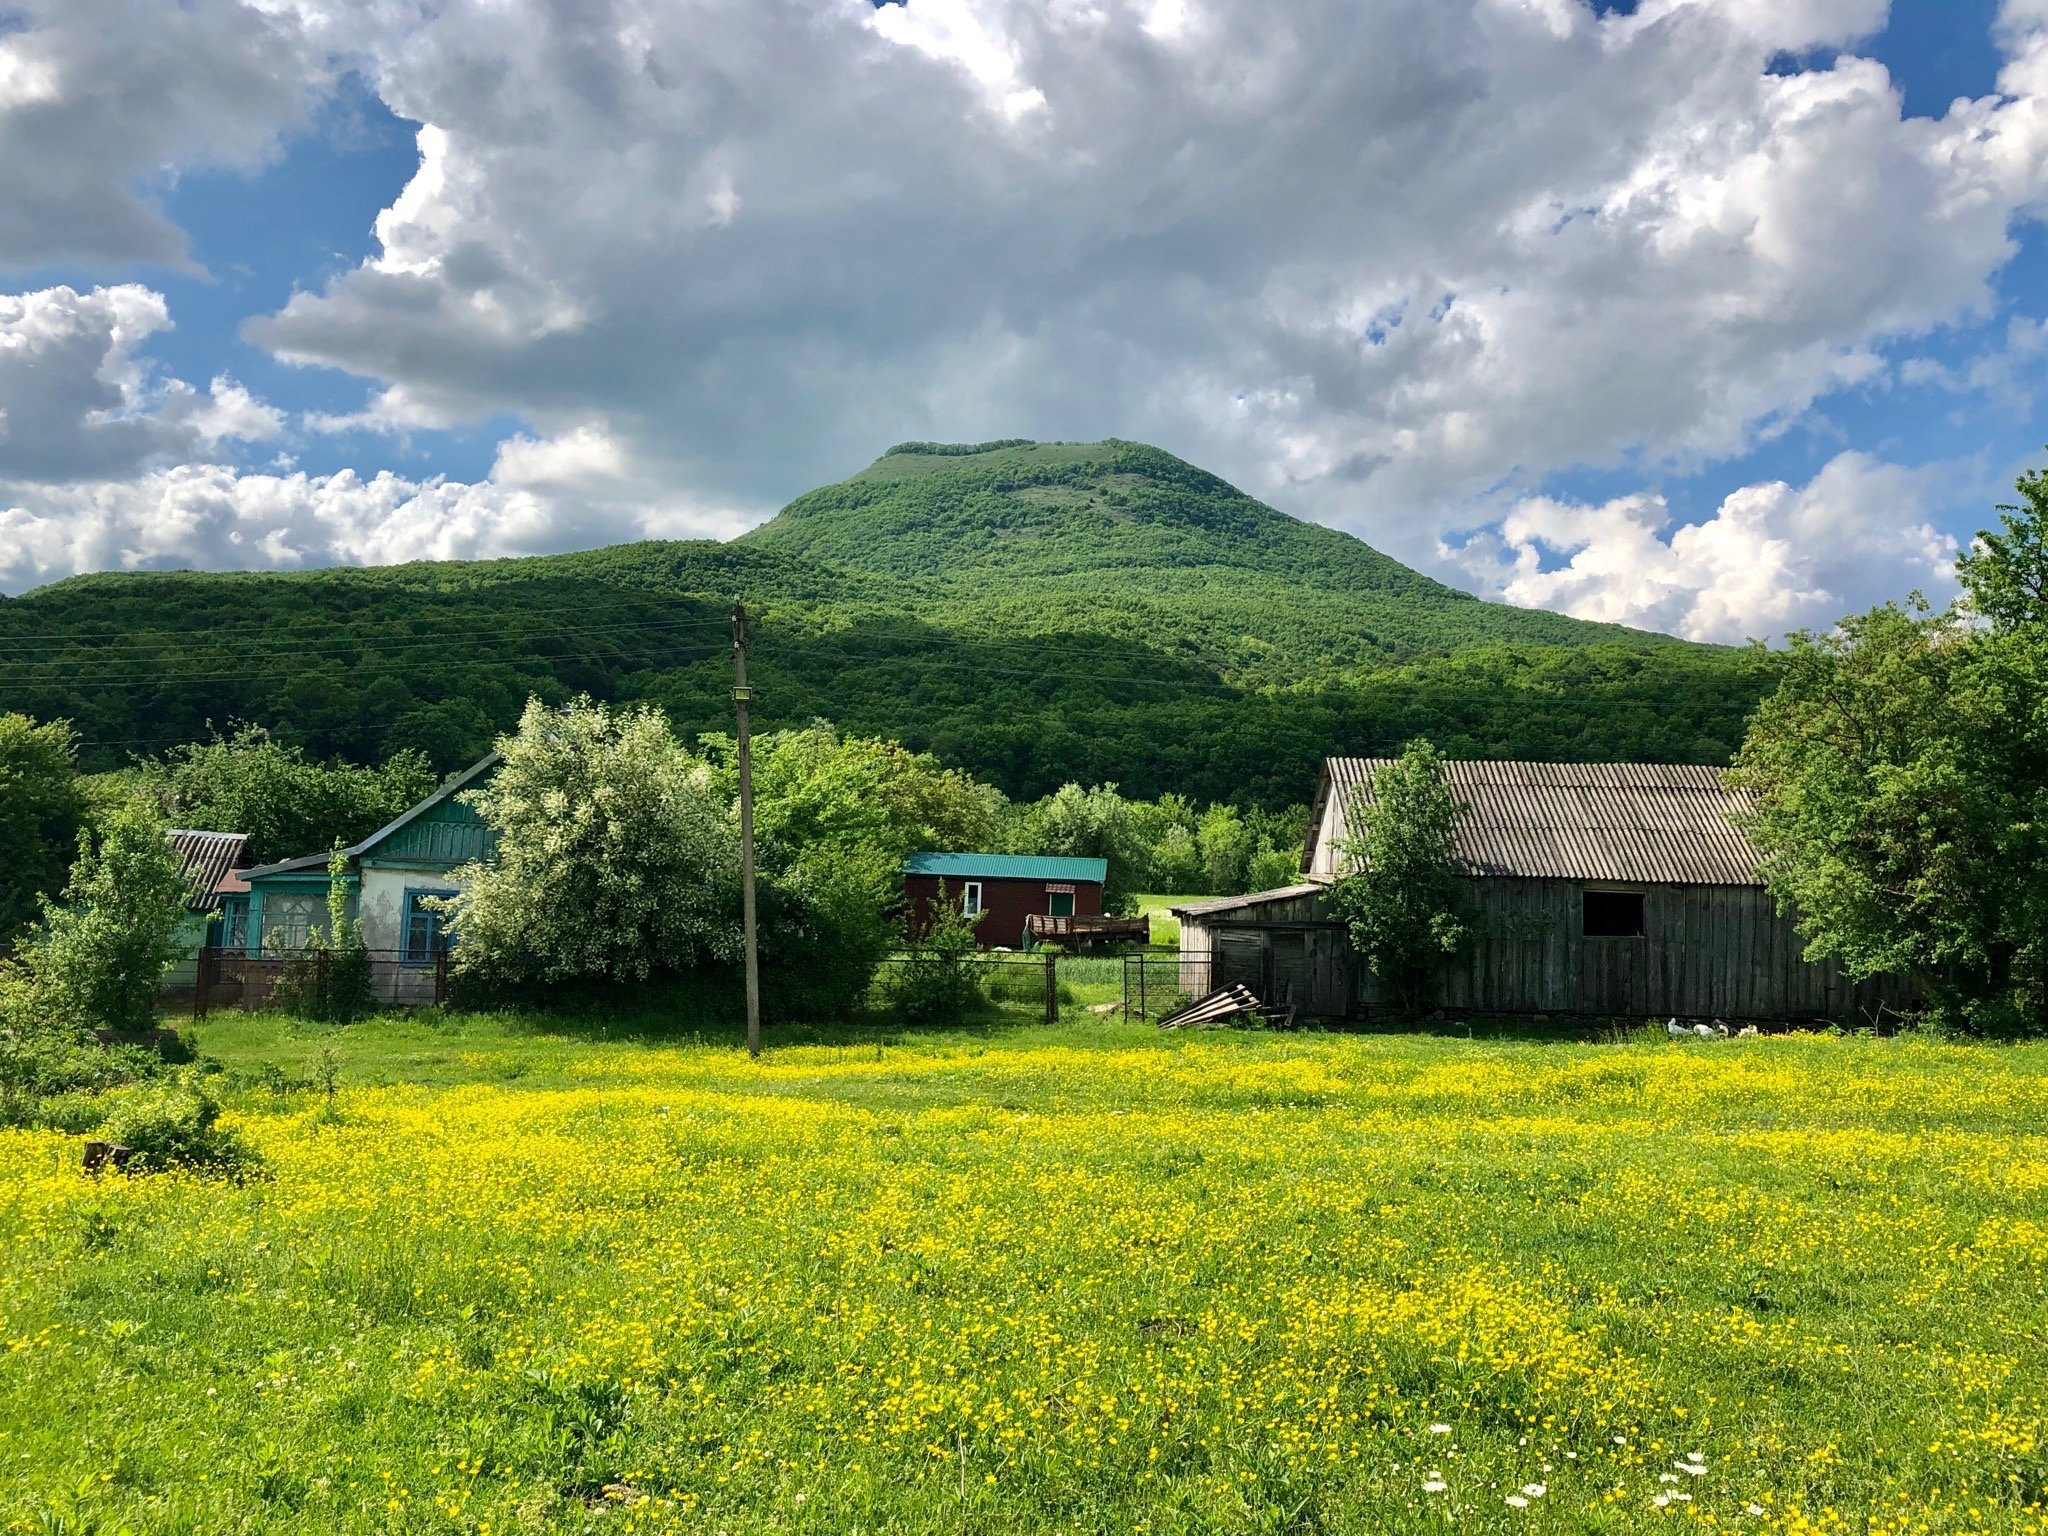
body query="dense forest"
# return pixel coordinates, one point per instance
(1036, 613)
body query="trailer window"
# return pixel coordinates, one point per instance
(1613, 914)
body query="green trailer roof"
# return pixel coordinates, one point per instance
(1006, 866)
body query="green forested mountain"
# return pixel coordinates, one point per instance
(1143, 545)
(1034, 612)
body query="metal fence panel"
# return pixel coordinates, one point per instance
(224, 979)
(1156, 984)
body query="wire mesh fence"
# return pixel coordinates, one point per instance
(910, 986)
(1156, 983)
(397, 978)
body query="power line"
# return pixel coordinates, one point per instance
(390, 648)
(372, 643)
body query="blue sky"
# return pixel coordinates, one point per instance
(942, 230)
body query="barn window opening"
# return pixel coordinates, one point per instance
(1061, 904)
(970, 898)
(1613, 914)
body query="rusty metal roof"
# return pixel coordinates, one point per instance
(208, 856)
(1648, 823)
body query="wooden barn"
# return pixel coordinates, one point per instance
(1607, 889)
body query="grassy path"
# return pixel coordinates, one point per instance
(1089, 1279)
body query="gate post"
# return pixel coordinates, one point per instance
(199, 980)
(1052, 988)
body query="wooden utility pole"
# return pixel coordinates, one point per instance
(741, 696)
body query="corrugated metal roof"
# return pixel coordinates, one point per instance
(207, 856)
(1217, 904)
(1006, 866)
(1651, 823)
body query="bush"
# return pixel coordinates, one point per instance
(938, 982)
(326, 983)
(173, 1123)
(930, 989)
(98, 957)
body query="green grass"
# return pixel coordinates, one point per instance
(1091, 1278)
(1165, 926)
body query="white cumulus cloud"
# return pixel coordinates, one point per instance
(1391, 265)
(77, 403)
(1772, 557)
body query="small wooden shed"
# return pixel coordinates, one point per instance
(1608, 889)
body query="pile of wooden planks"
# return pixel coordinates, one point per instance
(1226, 1005)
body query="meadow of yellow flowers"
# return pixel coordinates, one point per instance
(1098, 1280)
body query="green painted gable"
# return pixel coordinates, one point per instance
(441, 837)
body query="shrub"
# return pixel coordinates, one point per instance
(173, 1123)
(97, 958)
(617, 860)
(938, 983)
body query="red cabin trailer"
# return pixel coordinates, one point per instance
(1001, 890)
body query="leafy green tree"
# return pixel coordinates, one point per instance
(1899, 785)
(287, 803)
(1226, 845)
(98, 955)
(617, 857)
(41, 809)
(1401, 900)
(816, 788)
(1087, 823)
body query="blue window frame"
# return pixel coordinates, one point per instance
(426, 927)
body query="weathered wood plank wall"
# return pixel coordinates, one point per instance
(1706, 952)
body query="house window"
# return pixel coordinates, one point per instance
(426, 932)
(1061, 904)
(970, 898)
(1613, 914)
(233, 933)
(290, 920)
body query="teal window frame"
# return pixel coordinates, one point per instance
(234, 910)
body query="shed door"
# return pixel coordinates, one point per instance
(1289, 987)
(1240, 957)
